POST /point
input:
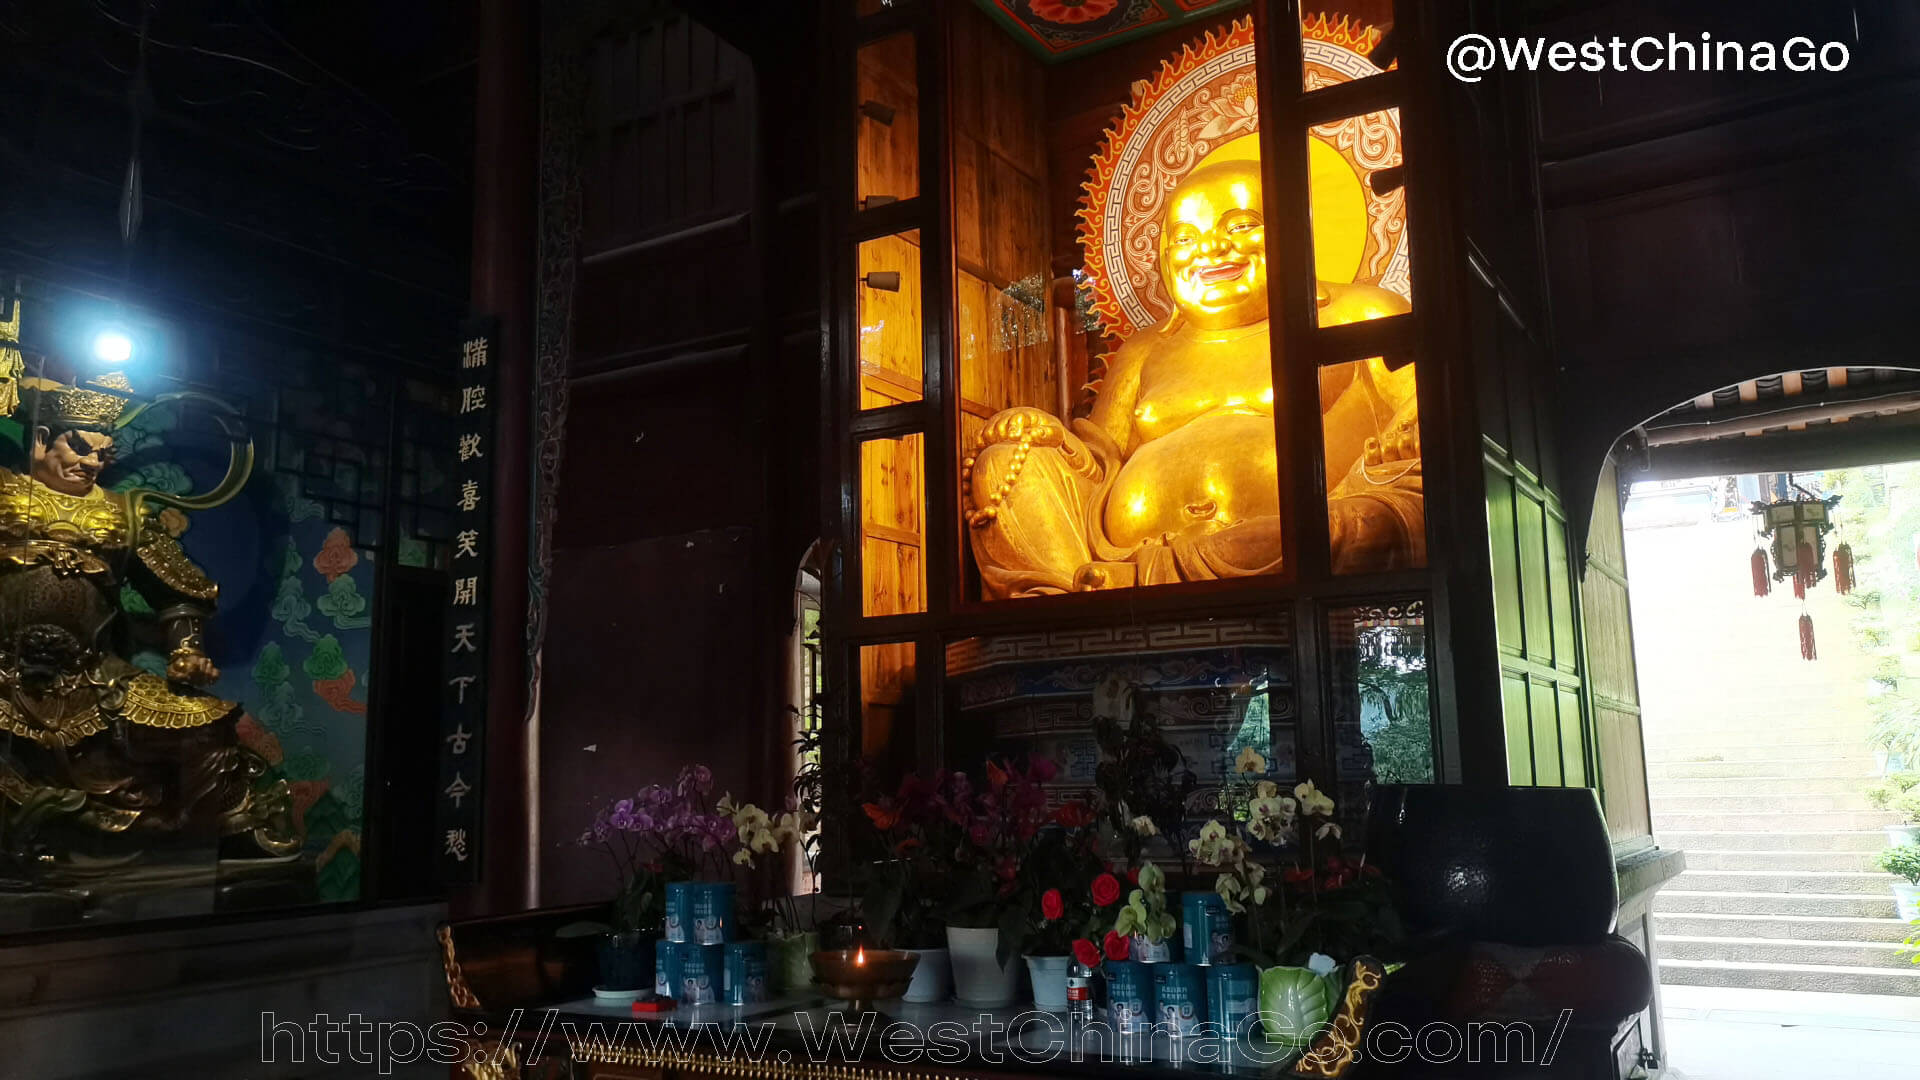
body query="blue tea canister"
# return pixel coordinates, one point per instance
(1179, 997)
(662, 967)
(679, 911)
(1233, 995)
(1205, 928)
(1129, 995)
(746, 979)
(699, 973)
(712, 903)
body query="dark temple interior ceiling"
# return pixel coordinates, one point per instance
(330, 142)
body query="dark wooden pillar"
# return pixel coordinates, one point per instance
(503, 274)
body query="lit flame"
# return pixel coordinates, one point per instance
(860, 956)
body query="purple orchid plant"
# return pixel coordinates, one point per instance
(673, 833)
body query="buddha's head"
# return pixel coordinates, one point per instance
(1213, 242)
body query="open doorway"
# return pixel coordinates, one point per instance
(1774, 579)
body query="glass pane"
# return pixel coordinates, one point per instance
(892, 507)
(1504, 546)
(1155, 715)
(887, 677)
(1359, 218)
(1340, 40)
(888, 301)
(1513, 695)
(1376, 506)
(1004, 299)
(888, 122)
(1382, 719)
(1560, 580)
(1546, 733)
(1573, 758)
(1114, 364)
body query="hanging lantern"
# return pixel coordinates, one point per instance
(1796, 531)
(1796, 536)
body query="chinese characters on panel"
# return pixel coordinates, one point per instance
(464, 697)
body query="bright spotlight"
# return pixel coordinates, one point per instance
(113, 347)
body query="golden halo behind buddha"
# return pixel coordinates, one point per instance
(1201, 109)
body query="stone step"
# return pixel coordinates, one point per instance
(1689, 743)
(1774, 927)
(1848, 954)
(1778, 805)
(1658, 773)
(1786, 862)
(1865, 840)
(1759, 821)
(1672, 901)
(1692, 786)
(1823, 882)
(1815, 977)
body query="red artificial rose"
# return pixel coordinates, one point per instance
(1051, 905)
(883, 817)
(1087, 952)
(1106, 890)
(1133, 874)
(1074, 815)
(1118, 948)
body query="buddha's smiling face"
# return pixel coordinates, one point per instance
(1213, 246)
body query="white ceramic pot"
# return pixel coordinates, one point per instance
(932, 977)
(1902, 835)
(1049, 975)
(979, 979)
(1150, 952)
(1907, 898)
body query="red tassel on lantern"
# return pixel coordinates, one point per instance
(1806, 638)
(1762, 581)
(1843, 569)
(1804, 570)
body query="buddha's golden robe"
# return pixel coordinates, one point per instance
(1175, 476)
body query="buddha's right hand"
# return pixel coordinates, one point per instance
(1022, 423)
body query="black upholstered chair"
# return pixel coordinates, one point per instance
(1510, 899)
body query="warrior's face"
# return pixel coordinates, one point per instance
(71, 461)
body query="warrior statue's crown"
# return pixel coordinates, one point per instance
(96, 404)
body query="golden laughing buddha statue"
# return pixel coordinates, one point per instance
(1174, 476)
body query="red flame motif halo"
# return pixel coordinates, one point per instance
(1198, 101)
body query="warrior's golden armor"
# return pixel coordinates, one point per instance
(87, 739)
(1174, 476)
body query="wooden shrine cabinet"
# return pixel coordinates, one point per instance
(1147, 368)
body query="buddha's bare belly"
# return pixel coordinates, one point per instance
(1219, 468)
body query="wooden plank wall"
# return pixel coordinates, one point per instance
(889, 149)
(1000, 229)
(1610, 669)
